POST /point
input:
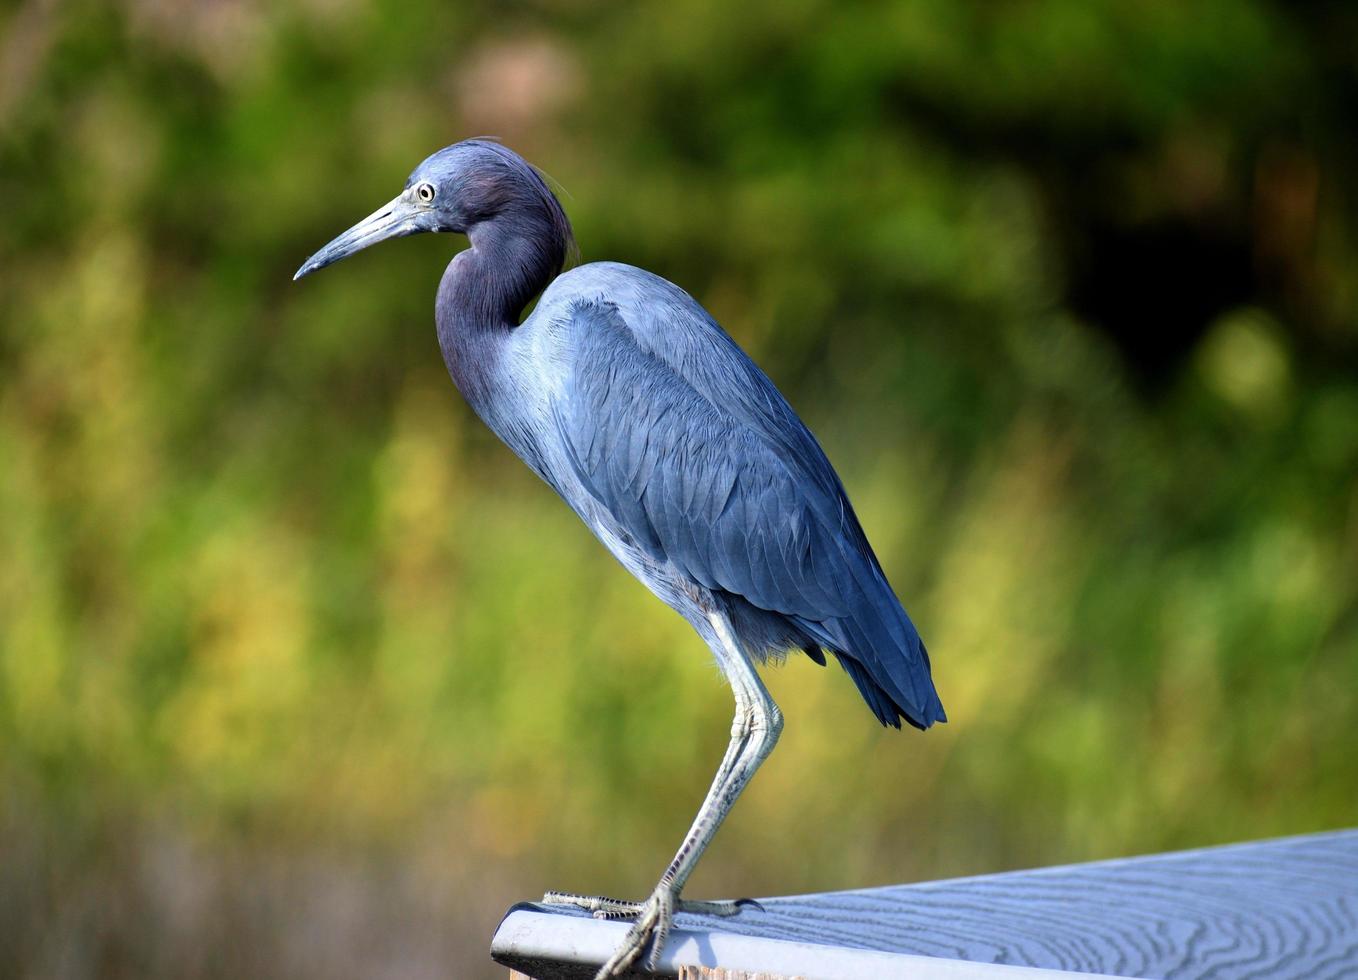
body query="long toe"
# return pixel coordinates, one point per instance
(724, 909)
(600, 906)
(664, 922)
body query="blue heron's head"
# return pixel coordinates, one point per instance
(459, 188)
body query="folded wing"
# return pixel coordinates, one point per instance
(703, 463)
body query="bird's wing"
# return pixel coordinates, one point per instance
(704, 465)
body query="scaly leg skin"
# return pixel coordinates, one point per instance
(753, 734)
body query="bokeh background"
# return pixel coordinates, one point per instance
(302, 674)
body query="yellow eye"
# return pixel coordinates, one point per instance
(425, 192)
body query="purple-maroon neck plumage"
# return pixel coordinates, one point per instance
(519, 241)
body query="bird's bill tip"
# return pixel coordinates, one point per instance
(311, 265)
(393, 220)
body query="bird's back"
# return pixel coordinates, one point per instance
(688, 461)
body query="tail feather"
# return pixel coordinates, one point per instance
(882, 653)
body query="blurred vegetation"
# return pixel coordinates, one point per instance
(302, 673)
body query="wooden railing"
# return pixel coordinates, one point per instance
(1274, 909)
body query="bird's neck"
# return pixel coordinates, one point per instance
(483, 292)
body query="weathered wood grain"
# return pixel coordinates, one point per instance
(1277, 909)
(548, 946)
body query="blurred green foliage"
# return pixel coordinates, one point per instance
(302, 673)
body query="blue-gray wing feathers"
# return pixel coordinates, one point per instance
(700, 459)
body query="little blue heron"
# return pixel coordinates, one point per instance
(675, 449)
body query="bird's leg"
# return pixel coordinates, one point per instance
(753, 734)
(603, 907)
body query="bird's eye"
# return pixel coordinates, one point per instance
(425, 192)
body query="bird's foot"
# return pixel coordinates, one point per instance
(602, 907)
(654, 917)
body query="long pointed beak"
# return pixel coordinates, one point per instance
(392, 220)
